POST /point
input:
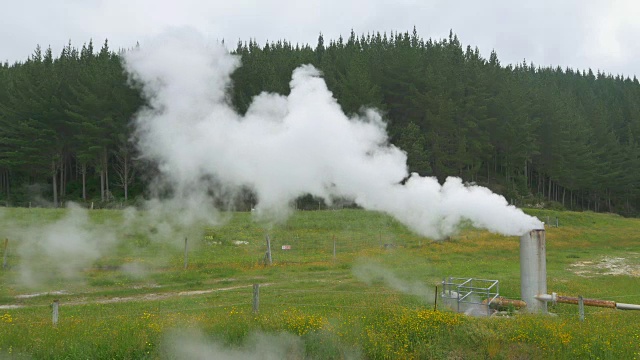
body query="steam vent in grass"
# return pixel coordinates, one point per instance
(478, 296)
(533, 278)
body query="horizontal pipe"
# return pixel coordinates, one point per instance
(622, 306)
(546, 297)
(588, 302)
(574, 300)
(504, 303)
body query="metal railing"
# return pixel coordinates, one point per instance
(470, 293)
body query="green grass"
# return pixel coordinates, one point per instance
(312, 304)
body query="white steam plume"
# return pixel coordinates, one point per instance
(61, 250)
(288, 146)
(370, 273)
(194, 344)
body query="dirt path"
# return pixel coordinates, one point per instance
(139, 297)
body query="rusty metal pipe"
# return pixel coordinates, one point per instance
(504, 303)
(586, 302)
(555, 298)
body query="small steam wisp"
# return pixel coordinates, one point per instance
(288, 146)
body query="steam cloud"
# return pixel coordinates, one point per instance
(193, 344)
(369, 273)
(287, 146)
(62, 249)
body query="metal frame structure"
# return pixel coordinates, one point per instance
(470, 291)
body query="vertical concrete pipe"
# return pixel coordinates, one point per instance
(533, 270)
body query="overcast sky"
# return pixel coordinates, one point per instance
(596, 34)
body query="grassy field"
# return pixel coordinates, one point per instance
(132, 298)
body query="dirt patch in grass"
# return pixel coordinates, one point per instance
(29, 296)
(608, 265)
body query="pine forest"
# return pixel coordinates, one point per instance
(541, 136)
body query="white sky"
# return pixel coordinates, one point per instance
(596, 34)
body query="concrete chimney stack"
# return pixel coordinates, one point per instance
(533, 270)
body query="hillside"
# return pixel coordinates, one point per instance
(123, 290)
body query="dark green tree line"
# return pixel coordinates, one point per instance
(534, 134)
(63, 119)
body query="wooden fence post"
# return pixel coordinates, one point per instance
(256, 298)
(54, 308)
(6, 253)
(581, 307)
(435, 301)
(334, 247)
(186, 254)
(267, 257)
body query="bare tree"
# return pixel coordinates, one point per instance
(123, 166)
